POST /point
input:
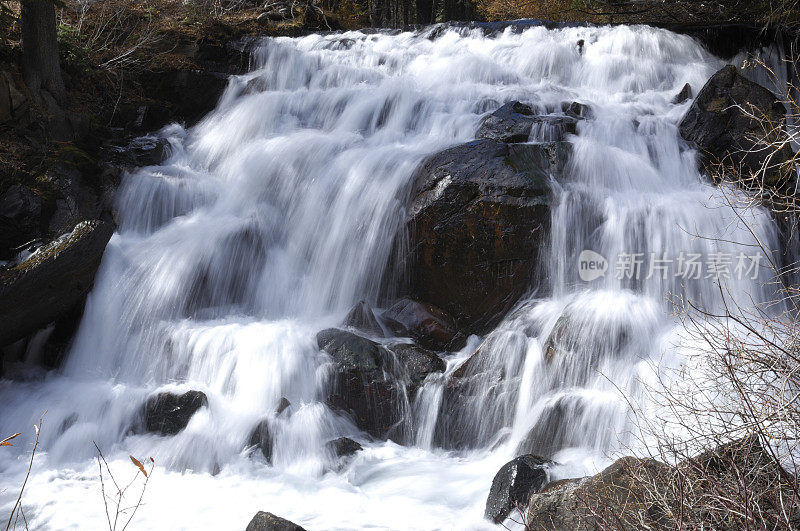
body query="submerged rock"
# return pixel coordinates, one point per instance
(261, 438)
(269, 522)
(169, 413)
(343, 447)
(430, 326)
(514, 484)
(52, 281)
(370, 383)
(510, 123)
(361, 386)
(478, 215)
(516, 121)
(723, 132)
(416, 361)
(362, 317)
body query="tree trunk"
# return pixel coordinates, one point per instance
(40, 66)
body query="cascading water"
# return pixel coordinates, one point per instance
(276, 213)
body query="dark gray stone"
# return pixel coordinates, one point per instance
(362, 317)
(479, 213)
(684, 95)
(510, 123)
(283, 405)
(51, 282)
(261, 438)
(362, 388)
(168, 413)
(430, 326)
(269, 522)
(343, 447)
(417, 362)
(726, 135)
(514, 484)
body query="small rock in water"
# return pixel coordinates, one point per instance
(261, 438)
(514, 484)
(343, 447)
(283, 405)
(576, 110)
(168, 413)
(432, 327)
(362, 388)
(417, 361)
(683, 95)
(263, 521)
(510, 123)
(350, 351)
(362, 317)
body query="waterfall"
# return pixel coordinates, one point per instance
(277, 212)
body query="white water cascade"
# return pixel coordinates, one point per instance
(277, 212)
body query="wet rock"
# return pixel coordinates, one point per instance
(417, 362)
(361, 386)
(52, 281)
(554, 128)
(514, 484)
(516, 122)
(477, 217)
(430, 326)
(142, 151)
(350, 351)
(269, 522)
(169, 413)
(343, 447)
(226, 279)
(684, 95)
(261, 439)
(283, 406)
(577, 110)
(510, 123)
(724, 134)
(20, 218)
(362, 317)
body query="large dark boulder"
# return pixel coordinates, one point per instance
(361, 386)
(718, 124)
(269, 522)
(52, 281)
(168, 413)
(430, 326)
(514, 484)
(478, 215)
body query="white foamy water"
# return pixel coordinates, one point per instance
(276, 213)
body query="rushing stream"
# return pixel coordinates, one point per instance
(276, 213)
